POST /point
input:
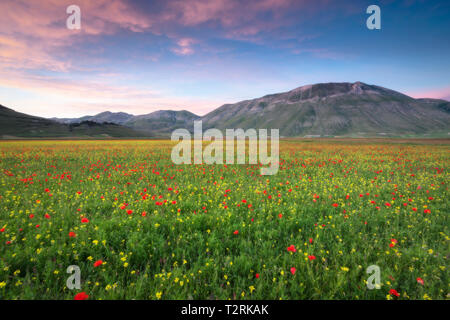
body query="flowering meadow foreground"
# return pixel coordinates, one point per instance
(140, 227)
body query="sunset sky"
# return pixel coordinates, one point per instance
(142, 56)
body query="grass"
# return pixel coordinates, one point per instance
(160, 231)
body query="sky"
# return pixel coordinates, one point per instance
(142, 56)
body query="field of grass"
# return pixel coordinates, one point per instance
(140, 227)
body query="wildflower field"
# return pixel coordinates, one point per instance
(140, 227)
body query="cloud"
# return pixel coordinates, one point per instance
(46, 19)
(101, 88)
(184, 46)
(33, 33)
(230, 13)
(239, 19)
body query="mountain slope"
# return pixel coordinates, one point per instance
(16, 124)
(107, 116)
(325, 109)
(328, 109)
(163, 121)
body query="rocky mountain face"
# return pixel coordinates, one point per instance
(330, 109)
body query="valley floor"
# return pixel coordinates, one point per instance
(140, 227)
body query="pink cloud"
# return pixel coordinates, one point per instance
(99, 89)
(46, 18)
(240, 19)
(32, 33)
(228, 13)
(184, 46)
(15, 53)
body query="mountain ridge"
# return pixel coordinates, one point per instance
(323, 109)
(14, 124)
(330, 109)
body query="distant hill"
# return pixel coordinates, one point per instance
(107, 116)
(161, 122)
(319, 110)
(14, 124)
(336, 109)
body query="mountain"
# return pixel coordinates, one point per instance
(112, 117)
(20, 124)
(161, 122)
(164, 121)
(15, 124)
(336, 109)
(324, 109)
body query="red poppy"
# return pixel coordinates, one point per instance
(335, 205)
(393, 243)
(98, 263)
(312, 258)
(291, 248)
(236, 232)
(81, 296)
(394, 292)
(84, 220)
(257, 275)
(2, 230)
(47, 216)
(129, 211)
(310, 240)
(293, 270)
(72, 234)
(420, 281)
